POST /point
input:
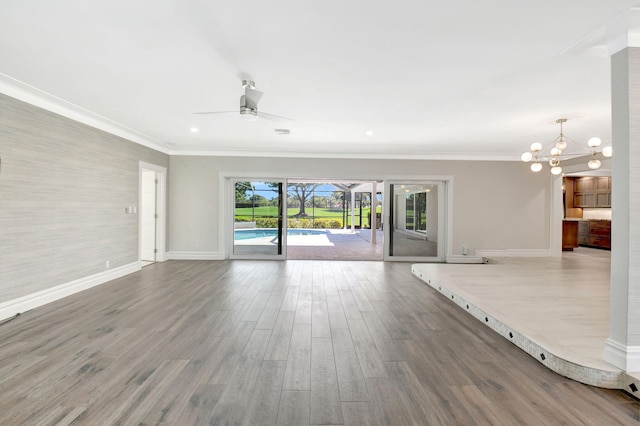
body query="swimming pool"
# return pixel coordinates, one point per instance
(249, 234)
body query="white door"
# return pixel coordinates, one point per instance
(148, 215)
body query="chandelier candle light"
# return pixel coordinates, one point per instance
(556, 148)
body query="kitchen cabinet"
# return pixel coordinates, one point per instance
(594, 233)
(583, 232)
(569, 235)
(600, 233)
(592, 191)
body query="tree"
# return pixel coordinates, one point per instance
(301, 192)
(259, 200)
(241, 191)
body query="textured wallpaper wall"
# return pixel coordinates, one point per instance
(64, 187)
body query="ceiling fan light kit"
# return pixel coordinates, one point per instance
(554, 152)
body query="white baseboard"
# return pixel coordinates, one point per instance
(624, 357)
(22, 304)
(194, 255)
(465, 259)
(514, 253)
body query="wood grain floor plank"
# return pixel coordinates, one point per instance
(304, 308)
(390, 321)
(390, 402)
(290, 302)
(278, 348)
(228, 353)
(171, 344)
(254, 311)
(363, 302)
(297, 375)
(320, 326)
(385, 344)
(265, 400)
(350, 379)
(269, 315)
(294, 408)
(424, 402)
(202, 403)
(370, 361)
(337, 318)
(247, 368)
(325, 408)
(349, 305)
(357, 414)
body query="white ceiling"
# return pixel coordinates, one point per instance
(430, 79)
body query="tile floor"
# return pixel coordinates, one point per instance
(560, 304)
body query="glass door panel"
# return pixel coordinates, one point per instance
(258, 219)
(413, 229)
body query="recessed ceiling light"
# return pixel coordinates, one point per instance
(194, 130)
(369, 133)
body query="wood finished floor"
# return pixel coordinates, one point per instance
(278, 343)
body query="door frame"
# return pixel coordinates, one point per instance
(161, 209)
(226, 199)
(445, 211)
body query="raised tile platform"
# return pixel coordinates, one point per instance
(555, 309)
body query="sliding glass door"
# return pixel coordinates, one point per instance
(258, 220)
(415, 217)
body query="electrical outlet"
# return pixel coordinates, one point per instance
(107, 265)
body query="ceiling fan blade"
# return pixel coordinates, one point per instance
(273, 117)
(252, 97)
(215, 112)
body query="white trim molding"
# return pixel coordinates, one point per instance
(161, 209)
(622, 356)
(513, 253)
(22, 304)
(456, 258)
(195, 255)
(34, 96)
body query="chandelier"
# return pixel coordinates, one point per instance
(555, 151)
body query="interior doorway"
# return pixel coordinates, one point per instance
(151, 213)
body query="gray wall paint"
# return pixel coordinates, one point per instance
(624, 323)
(63, 191)
(497, 205)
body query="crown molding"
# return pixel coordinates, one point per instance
(361, 155)
(39, 98)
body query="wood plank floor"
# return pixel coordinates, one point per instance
(278, 343)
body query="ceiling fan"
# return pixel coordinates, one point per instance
(249, 105)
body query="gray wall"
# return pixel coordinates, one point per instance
(497, 205)
(63, 191)
(624, 323)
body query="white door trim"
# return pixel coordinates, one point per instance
(161, 208)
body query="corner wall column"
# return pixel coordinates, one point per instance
(622, 348)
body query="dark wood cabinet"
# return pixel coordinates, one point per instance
(592, 191)
(592, 233)
(600, 233)
(569, 235)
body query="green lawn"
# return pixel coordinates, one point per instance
(271, 211)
